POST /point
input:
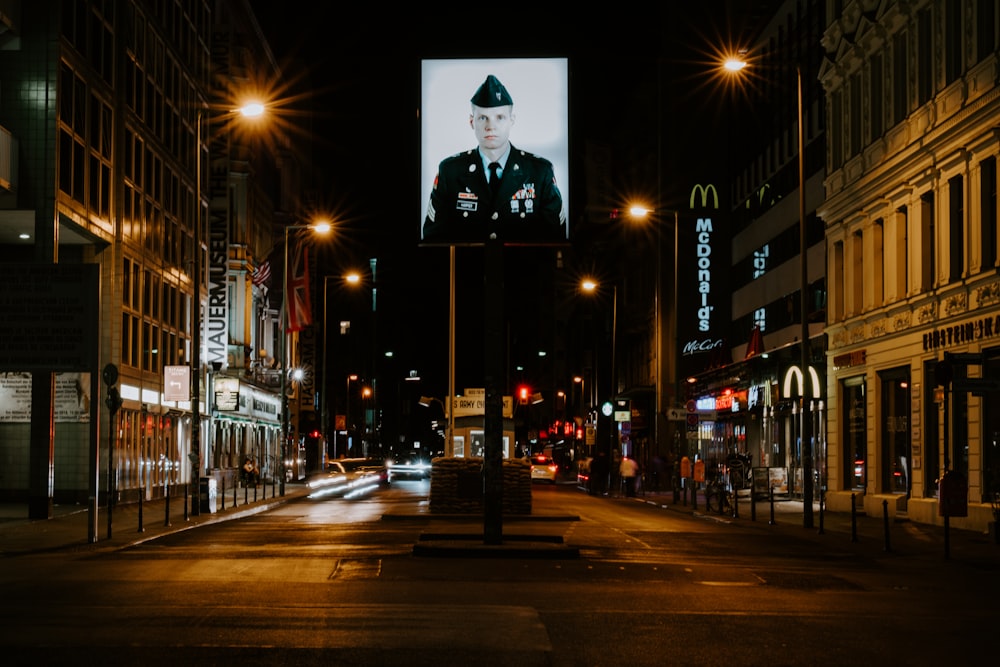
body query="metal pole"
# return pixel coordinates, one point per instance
(195, 453)
(284, 371)
(325, 412)
(807, 467)
(449, 446)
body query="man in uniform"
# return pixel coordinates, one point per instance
(494, 188)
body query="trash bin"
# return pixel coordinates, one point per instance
(208, 495)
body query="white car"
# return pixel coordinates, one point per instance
(543, 468)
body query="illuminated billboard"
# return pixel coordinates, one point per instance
(494, 151)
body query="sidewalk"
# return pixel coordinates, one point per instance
(894, 537)
(71, 525)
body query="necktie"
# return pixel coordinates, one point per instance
(494, 177)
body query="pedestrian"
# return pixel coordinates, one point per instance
(599, 474)
(629, 470)
(494, 188)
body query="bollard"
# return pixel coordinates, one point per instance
(141, 494)
(854, 519)
(684, 490)
(222, 494)
(770, 493)
(753, 504)
(246, 490)
(947, 538)
(187, 493)
(821, 511)
(694, 497)
(885, 524)
(255, 490)
(736, 503)
(236, 483)
(166, 504)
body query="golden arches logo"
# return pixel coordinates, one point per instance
(794, 374)
(704, 191)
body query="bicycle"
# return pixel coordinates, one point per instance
(716, 490)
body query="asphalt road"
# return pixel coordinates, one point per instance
(631, 583)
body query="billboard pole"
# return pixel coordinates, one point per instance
(493, 417)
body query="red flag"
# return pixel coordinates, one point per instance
(297, 302)
(755, 345)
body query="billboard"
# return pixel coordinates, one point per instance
(509, 112)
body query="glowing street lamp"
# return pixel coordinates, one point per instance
(737, 65)
(322, 228)
(251, 110)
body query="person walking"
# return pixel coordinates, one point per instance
(629, 470)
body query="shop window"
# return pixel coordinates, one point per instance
(896, 462)
(929, 461)
(854, 428)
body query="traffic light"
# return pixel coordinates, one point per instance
(523, 394)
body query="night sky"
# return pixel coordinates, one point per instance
(357, 73)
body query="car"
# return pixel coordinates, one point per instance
(409, 466)
(543, 468)
(349, 478)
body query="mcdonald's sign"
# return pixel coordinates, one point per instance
(794, 374)
(704, 191)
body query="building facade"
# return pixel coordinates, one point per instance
(127, 157)
(912, 94)
(748, 396)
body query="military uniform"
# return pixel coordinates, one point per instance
(528, 205)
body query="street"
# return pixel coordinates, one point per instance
(337, 582)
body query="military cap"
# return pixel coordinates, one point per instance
(492, 94)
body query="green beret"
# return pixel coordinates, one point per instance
(492, 94)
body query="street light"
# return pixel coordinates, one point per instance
(737, 65)
(638, 212)
(249, 110)
(321, 228)
(590, 285)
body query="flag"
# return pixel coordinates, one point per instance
(298, 306)
(755, 345)
(262, 273)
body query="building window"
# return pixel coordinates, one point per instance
(901, 277)
(837, 282)
(855, 102)
(836, 130)
(956, 229)
(988, 212)
(986, 29)
(896, 463)
(857, 292)
(878, 268)
(928, 247)
(855, 429)
(900, 78)
(925, 57)
(953, 65)
(875, 96)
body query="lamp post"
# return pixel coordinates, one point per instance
(736, 65)
(589, 285)
(325, 411)
(319, 228)
(249, 110)
(347, 414)
(642, 213)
